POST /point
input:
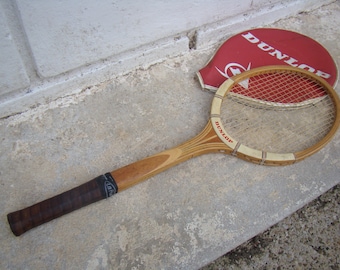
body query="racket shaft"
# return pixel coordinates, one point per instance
(205, 142)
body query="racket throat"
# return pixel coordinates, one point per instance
(205, 142)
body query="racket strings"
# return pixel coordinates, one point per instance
(267, 123)
(290, 90)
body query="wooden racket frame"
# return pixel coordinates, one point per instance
(261, 157)
(213, 138)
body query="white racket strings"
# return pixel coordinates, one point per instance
(279, 113)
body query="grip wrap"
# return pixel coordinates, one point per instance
(97, 189)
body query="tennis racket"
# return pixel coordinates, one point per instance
(257, 131)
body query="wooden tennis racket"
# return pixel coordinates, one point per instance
(261, 130)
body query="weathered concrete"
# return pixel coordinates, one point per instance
(307, 239)
(180, 219)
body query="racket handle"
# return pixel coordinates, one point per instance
(97, 189)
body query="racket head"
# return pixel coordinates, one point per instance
(265, 133)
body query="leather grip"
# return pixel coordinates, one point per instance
(97, 189)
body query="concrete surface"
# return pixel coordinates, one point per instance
(308, 239)
(12, 75)
(183, 218)
(66, 36)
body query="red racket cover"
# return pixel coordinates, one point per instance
(263, 47)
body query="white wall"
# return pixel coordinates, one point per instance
(51, 48)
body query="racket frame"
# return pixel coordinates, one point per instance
(261, 157)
